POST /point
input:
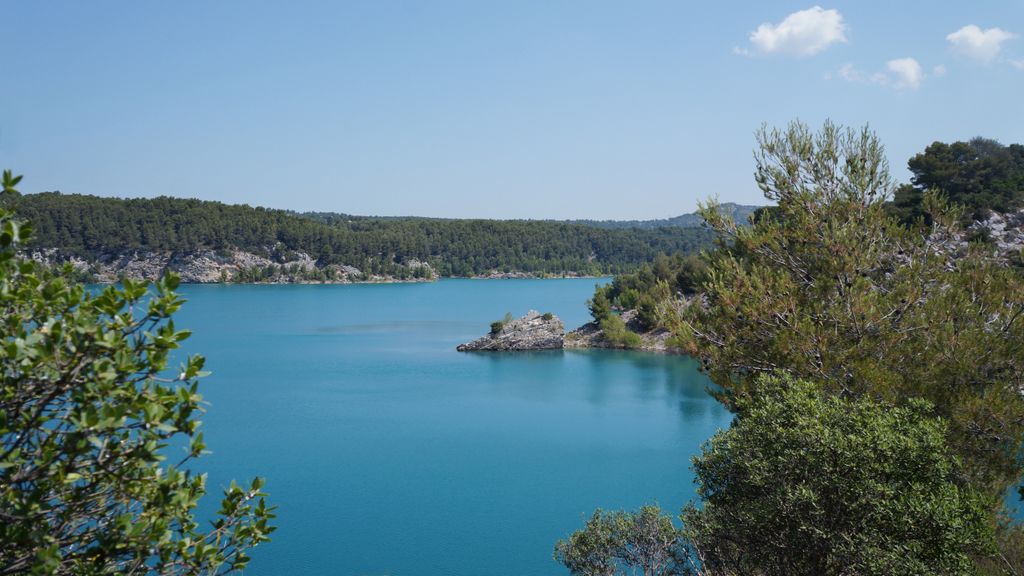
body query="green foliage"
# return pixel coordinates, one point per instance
(498, 325)
(547, 316)
(89, 226)
(806, 483)
(620, 542)
(647, 312)
(616, 332)
(665, 276)
(654, 287)
(86, 420)
(600, 305)
(828, 287)
(982, 175)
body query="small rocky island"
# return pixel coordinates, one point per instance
(534, 331)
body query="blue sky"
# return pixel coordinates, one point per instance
(501, 109)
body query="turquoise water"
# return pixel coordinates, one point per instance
(388, 452)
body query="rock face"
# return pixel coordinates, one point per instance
(1006, 231)
(531, 332)
(1004, 234)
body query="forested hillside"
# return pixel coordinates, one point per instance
(91, 227)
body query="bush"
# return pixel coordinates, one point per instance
(806, 483)
(641, 542)
(616, 333)
(498, 325)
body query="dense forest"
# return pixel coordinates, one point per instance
(89, 226)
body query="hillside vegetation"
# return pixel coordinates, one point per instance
(92, 227)
(984, 178)
(874, 361)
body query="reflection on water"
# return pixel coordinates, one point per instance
(399, 326)
(673, 379)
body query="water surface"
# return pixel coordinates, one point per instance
(388, 452)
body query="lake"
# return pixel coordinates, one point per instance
(388, 452)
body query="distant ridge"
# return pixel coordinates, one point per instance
(739, 212)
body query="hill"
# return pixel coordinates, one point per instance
(739, 212)
(237, 242)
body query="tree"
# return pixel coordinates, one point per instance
(611, 543)
(600, 305)
(981, 174)
(808, 484)
(647, 311)
(828, 287)
(87, 418)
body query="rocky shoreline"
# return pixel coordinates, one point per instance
(240, 267)
(213, 267)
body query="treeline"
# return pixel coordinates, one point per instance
(91, 226)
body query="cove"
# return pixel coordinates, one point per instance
(388, 452)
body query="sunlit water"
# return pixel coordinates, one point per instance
(388, 452)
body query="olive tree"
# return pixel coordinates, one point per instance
(88, 412)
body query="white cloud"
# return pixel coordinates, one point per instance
(1018, 64)
(907, 71)
(851, 74)
(939, 71)
(802, 33)
(981, 45)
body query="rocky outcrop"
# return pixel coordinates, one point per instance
(534, 331)
(210, 266)
(590, 335)
(1004, 231)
